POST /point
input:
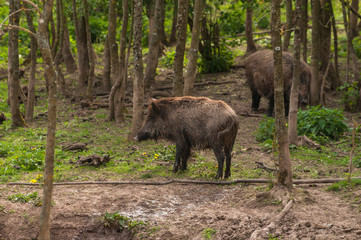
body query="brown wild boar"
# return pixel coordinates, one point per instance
(193, 122)
(259, 73)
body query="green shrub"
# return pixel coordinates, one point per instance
(356, 42)
(216, 61)
(350, 95)
(232, 19)
(168, 60)
(321, 123)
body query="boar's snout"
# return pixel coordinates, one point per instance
(136, 138)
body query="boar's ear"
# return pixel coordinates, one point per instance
(155, 107)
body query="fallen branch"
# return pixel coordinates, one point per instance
(263, 166)
(305, 181)
(199, 84)
(247, 114)
(264, 232)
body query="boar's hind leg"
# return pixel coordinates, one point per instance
(256, 98)
(185, 155)
(220, 159)
(228, 153)
(271, 106)
(182, 151)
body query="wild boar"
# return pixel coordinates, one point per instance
(259, 74)
(193, 122)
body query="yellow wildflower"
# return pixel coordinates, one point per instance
(39, 176)
(33, 181)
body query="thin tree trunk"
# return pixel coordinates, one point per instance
(113, 46)
(180, 48)
(163, 37)
(50, 74)
(152, 58)
(193, 51)
(353, 19)
(251, 47)
(292, 117)
(284, 176)
(315, 86)
(90, 52)
(29, 113)
(150, 8)
(138, 84)
(68, 57)
(13, 68)
(173, 32)
(304, 21)
(106, 83)
(325, 35)
(119, 86)
(337, 81)
(289, 25)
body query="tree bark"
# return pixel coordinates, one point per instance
(163, 37)
(353, 19)
(289, 25)
(193, 51)
(292, 117)
(138, 84)
(180, 48)
(50, 74)
(337, 81)
(173, 32)
(251, 47)
(113, 46)
(29, 113)
(106, 83)
(315, 85)
(117, 93)
(13, 67)
(152, 58)
(284, 175)
(304, 21)
(90, 52)
(69, 60)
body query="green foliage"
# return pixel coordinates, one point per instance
(336, 187)
(321, 123)
(266, 129)
(216, 60)
(232, 19)
(350, 95)
(209, 233)
(167, 153)
(120, 222)
(263, 23)
(26, 198)
(356, 42)
(168, 60)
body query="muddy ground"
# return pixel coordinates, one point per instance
(188, 211)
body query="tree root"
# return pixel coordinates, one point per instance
(264, 232)
(306, 181)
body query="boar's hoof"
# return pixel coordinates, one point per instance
(227, 175)
(175, 168)
(219, 175)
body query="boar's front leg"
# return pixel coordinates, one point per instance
(185, 155)
(256, 98)
(178, 154)
(218, 151)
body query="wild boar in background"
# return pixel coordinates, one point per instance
(259, 74)
(193, 122)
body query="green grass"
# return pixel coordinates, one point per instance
(344, 185)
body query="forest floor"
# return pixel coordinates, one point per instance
(192, 211)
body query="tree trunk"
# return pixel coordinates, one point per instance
(163, 37)
(251, 47)
(193, 51)
(152, 58)
(180, 48)
(353, 19)
(292, 117)
(68, 57)
(113, 46)
(50, 74)
(138, 84)
(13, 68)
(150, 8)
(29, 113)
(173, 32)
(284, 176)
(117, 93)
(90, 52)
(289, 25)
(337, 81)
(304, 21)
(81, 43)
(315, 87)
(106, 83)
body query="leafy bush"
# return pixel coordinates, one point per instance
(221, 61)
(266, 129)
(321, 123)
(168, 60)
(350, 95)
(356, 42)
(232, 19)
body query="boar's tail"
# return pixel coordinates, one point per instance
(231, 127)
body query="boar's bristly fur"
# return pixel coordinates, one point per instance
(259, 74)
(193, 122)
